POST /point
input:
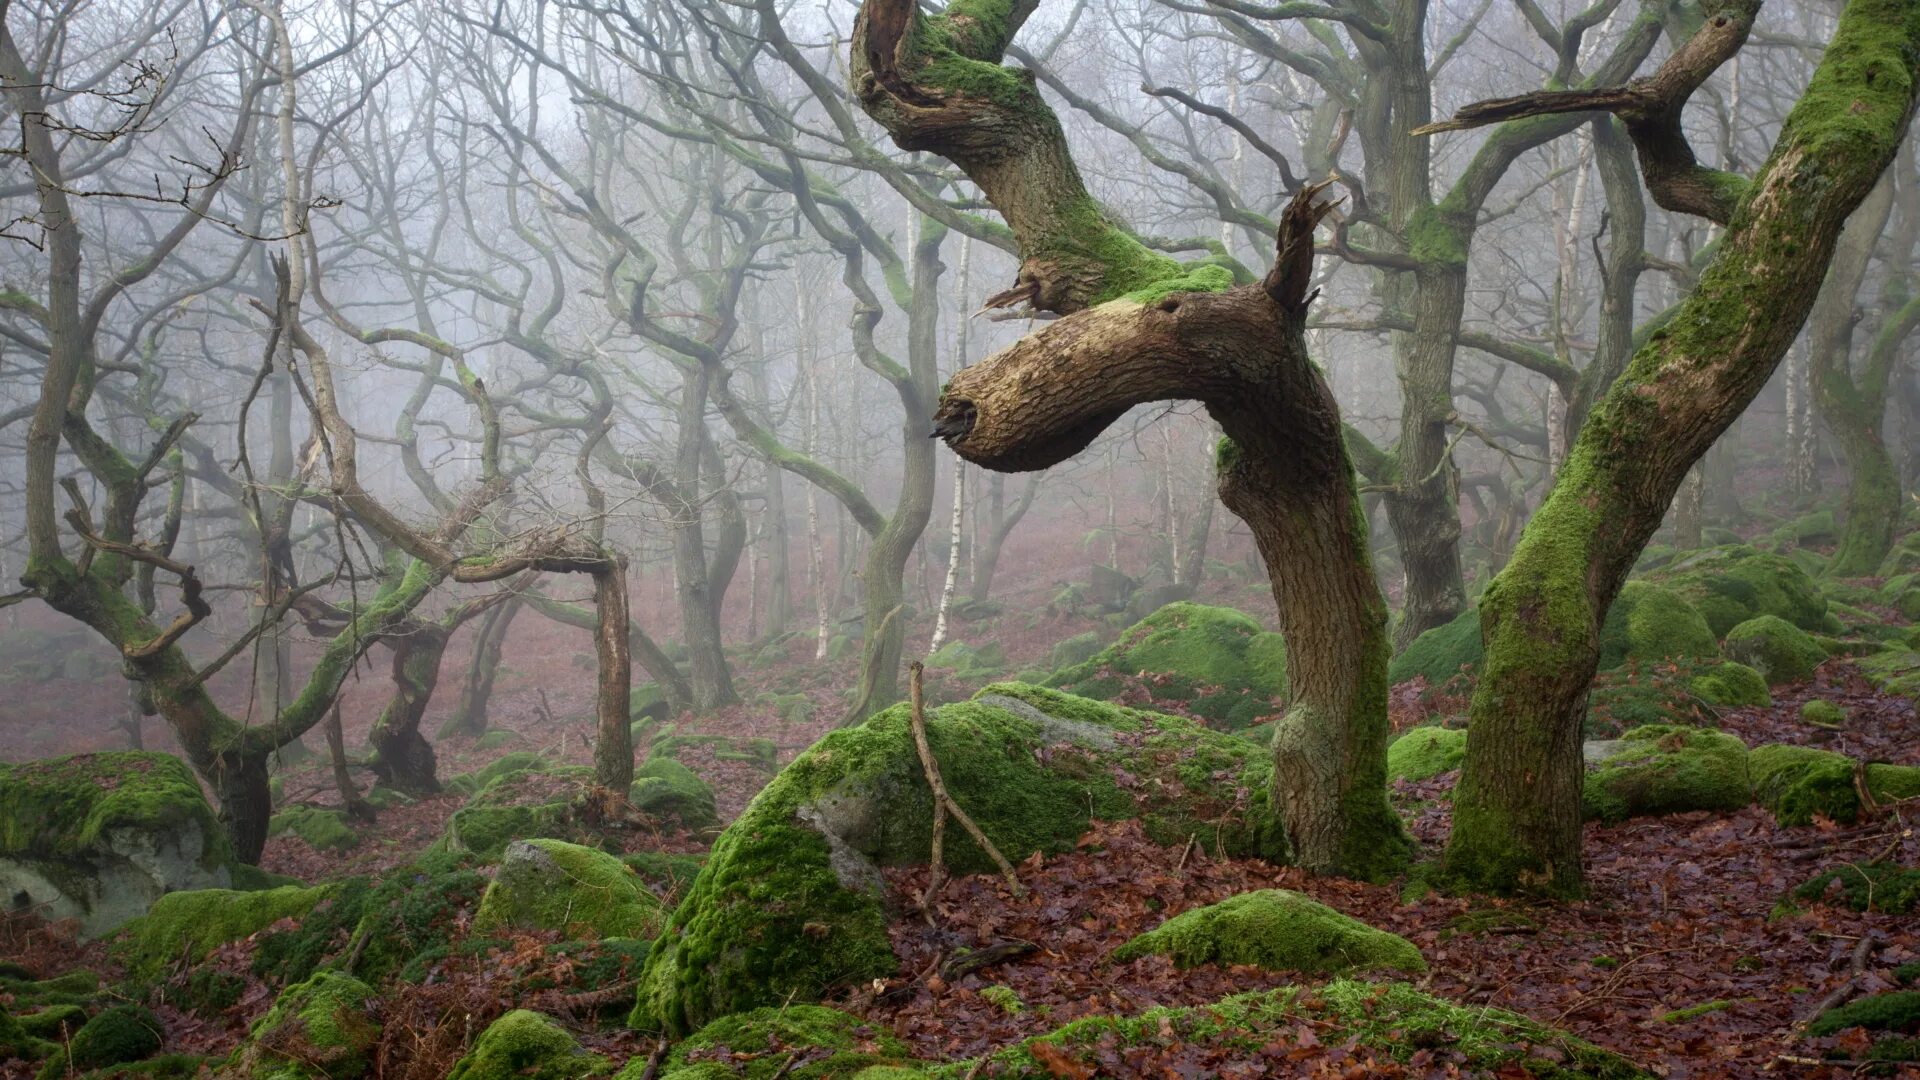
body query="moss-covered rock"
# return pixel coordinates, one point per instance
(1391, 1020)
(498, 739)
(664, 788)
(1665, 769)
(1822, 713)
(1277, 930)
(1215, 661)
(1426, 752)
(325, 830)
(1648, 623)
(1730, 684)
(1775, 648)
(968, 661)
(1799, 783)
(1894, 1010)
(525, 1044)
(1442, 652)
(17, 1044)
(1882, 887)
(1902, 558)
(115, 1035)
(1897, 671)
(647, 701)
(56, 1023)
(1077, 649)
(788, 905)
(320, 1029)
(554, 885)
(100, 837)
(186, 926)
(383, 923)
(1732, 584)
(804, 1042)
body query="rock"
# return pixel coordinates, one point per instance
(968, 661)
(1648, 623)
(825, 1043)
(1391, 1021)
(324, 830)
(1884, 887)
(16, 1043)
(1216, 661)
(663, 788)
(320, 1029)
(1799, 783)
(1729, 585)
(1442, 652)
(1816, 528)
(1276, 930)
(554, 885)
(1897, 671)
(1777, 649)
(1822, 713)
(1904, 558)
(189, 925)
(1109, 589)
(100, 837)
(1665, 769)
(1148, 600)
(497, 739)
(647, 702)
(1426, 752)
(525, 1044)
(789, 905)
(1077, 649)
(1731, 685)
(115, 1036)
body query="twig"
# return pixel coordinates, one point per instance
(653, 1061)
(1862, 952)
(940, 795)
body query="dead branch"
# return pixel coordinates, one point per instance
(942, 801)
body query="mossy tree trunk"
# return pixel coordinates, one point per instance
(1517, 817)
(402, 758)
(1138, 327)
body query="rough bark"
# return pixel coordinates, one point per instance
(402, 757)
(613, 740)
(1517, 820)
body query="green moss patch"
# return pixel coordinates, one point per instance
(1882, 887)
(1731, 685)
(1774, 647)
(1442, 652)
(186, 926)
(525, 1044)
(806, 1042)
(115, 1035)
(1277, 930)
(326, 830)
(1215, 661)
(1821, 713)
(1895, 1010)
(554, 885)
(1664, 769)
(384, 924)
(1732, 584)
(320, 1028)
(1799, 782)
(1391, 1020)
(1426, 752)
(1649, 623)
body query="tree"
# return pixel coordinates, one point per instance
(1517, 818)
(1137, 326)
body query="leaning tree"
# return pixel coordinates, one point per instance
(1135, 326)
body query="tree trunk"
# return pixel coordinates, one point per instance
(1517, 813)
(1000, 524)
(403, 759)
(613, 742)
(712, 682)
(476, 690)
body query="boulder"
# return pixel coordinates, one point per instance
(1214, 661)
(1876, 886)
(665, 789)
(189, 925)
(1649, 623)
(1799, 783)
(1729, 585)
(1442, 652)
(1777, 649)
(100, 837)
(324, 830)
(1077, 649)
(1277, 930)
(789, 905)
(554, 885)
(797, 1042)
(525, 1044)
(320, 1029)
(1667, 769)
(115, 1036)
(1426, 752)
(1731, 685)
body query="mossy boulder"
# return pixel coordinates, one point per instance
(789, 904)
(1442, 652)
(1902, 558)
(56, 1023)
(1896, 671)
(319, 1029)
(1277, 930)
(554, 885)
(801, 1042)
(1799, 783)
(1666, 769)
(498, 739)
(1730, 684)
(1426, 752)
(664, 788)
(1731, 584)
(647, 702)
(18, 1044)
(115, 1036)
(186, 926)
(525, 1045)
(968, 661)
(1077, 649)
(325, 830)
(100, 837)
(1393, 1021)
(1648, 623)
(1822, 713)
(1214, 661)
(1895, 1011)
(1883, 887)
(1777, 649)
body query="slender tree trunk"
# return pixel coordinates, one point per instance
(699, 613)
(350, 799)
(953, 557)
(613, 741)
(476, 690)
(1000, 524)
(403, 759)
